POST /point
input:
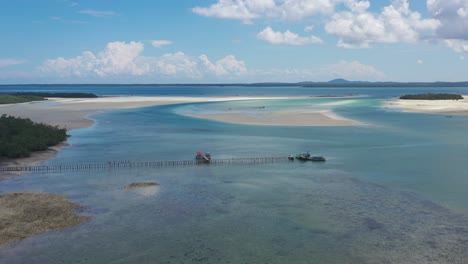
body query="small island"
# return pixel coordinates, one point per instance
(16, 99)
(432, 96)
(25, 97)
(20, 136)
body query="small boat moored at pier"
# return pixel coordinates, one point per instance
(203, 157)
(307, 157)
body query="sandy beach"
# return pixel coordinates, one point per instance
(459, 107)
(71, 113)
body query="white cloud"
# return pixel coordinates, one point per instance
(160, 43)
(120, 59)
(396, 23)
(453, 17)
(10, 62)
(225, 66)
(309, 28)
(298, 9)
(247, 10)
(244, 10)
(355, 25)
(457, 44)
(462, 57)
(175, 64)
(117, 58)
(419, 61)
(287, 37)
(97, 13)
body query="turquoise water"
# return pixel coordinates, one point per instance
(393, 191)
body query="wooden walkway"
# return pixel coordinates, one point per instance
(114, 165)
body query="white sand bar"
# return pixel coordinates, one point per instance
(459, 107)
(281, 118)
(71, 113)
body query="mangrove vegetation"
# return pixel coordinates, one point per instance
(20, 136)
(432, 96)
(25, 97)
(15, 99)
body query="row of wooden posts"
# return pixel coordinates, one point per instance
(139, 164)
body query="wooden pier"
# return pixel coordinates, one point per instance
(115, 165)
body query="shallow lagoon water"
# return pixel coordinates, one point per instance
(391, 192)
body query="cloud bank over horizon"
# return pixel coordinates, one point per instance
(121, 59)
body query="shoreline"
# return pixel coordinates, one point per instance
(72, 113)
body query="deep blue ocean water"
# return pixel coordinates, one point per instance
(393, 191)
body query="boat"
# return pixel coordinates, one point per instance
(203, 157)
(306, 156)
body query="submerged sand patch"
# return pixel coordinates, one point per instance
(25, 214)
(140, 185)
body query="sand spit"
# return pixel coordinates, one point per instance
(25, 214)
(71, 113)
(456, 107)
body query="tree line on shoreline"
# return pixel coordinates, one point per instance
(432, 96)
(24, 97)
(21, 136)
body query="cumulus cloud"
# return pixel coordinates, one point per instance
(453, 17)
(10, 62)
(120, 59)
(160, 43)
(117, 58)
(457, 44)
(287, 37)
(360, 28)
(247, 10)
(227, 65)
(350, 20)
(97, 13)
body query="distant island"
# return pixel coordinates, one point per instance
(307, 84)
(25, 97)
(20, 136)
(16, 99)
(432, 96)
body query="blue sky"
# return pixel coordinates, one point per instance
(212, 41)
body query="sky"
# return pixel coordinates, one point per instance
(231, 41)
